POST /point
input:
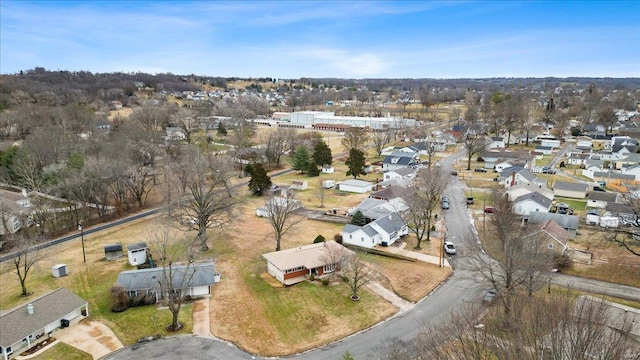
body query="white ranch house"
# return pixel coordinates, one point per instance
(355, 186)
(30, 323)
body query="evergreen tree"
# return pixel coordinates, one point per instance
(322, 153)
(355, 162)
(312, 169)
(358, 219)
(260, 181)
(301, 159)
(222, 129)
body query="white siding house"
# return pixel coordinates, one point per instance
(533, 202)
(384, 231)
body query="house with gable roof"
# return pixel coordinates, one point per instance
(401, 159)
(570, 189)
(554, 235)
(600, 199)
(532, 202)
(30, 323)
(567, 222)
(384, 231)
(517, 175)
(527, 188)
(291, 266)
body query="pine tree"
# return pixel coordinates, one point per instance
(301, 159)
(322, 153)
(260, 181)
(358, 219)
(355, 162)
(312, 169)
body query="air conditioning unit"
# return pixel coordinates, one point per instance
(64, 323)
(59, 270)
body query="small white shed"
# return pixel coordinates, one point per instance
(299, 185)
(59, 270)
(137, 253)
(328, 169)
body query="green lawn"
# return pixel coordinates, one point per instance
(299, 313)
(576, 205)
(63, 351)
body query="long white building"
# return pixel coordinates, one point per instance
(309, 118)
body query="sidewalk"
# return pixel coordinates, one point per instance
(201, 322)
(412, 254)
(402, 304)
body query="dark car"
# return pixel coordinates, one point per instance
(454, 173)
(480, 170)
(469, 201)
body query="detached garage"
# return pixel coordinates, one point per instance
(355, 186)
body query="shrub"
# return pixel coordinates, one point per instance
(563, 261)
(338, 238)
(325, 282)
(318, 239)
(312, 277)
(480, 159)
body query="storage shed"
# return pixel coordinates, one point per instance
(137, 253)
(113, 251)
(355, 186)
(59, 270)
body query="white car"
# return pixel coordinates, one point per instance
(449, 248)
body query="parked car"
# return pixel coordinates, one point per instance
(488, 210)
(445, 198)
(548, 170)
(454, 173)
(469, 201)
(480, 170)
(445, 205)
(488, 297)
(449, 248)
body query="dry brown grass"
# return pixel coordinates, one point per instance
(610, 262)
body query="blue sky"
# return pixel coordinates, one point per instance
(354, 39)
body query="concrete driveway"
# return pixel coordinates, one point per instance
(90, 336)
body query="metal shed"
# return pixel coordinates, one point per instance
(113, 251)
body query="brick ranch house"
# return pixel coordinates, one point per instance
(292, 266)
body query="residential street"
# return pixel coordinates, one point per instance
(462, 288)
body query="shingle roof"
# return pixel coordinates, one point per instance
(201, 274)
(535, 197)
(389, 193)
(555, 231)
(390, 223)
(566, 221)
(309, 256)
(17, 323)
(602, 196)
(350, 228)
(137, 246)
(355, 182)
(570, 186)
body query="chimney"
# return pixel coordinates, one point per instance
(30, 309)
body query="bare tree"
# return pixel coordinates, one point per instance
(512, 257)
(531, 114)
(25, 257)
(473, 143)
(628, 237)
(175, 258)
(276, 144)
(320, 193)
(380, 139)
(206, 200)
(281, 214)
(355, 138)
(421, 200)
(431, 149)
(549, 327)
(355, 274)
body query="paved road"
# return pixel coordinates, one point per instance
(463, 288)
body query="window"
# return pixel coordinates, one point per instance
(329, 268)
(362, 239)
(350, 236)
(288, 271)
(550, 246)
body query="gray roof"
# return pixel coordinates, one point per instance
(404, 171)
(390, 223)
(570, 186)
(518, 170)
(369, 230)
(113, 247)
(17, 323)
(137, 246)
(350, 228)
(617, 208)
(355, 182)
(602, 196)
(613, 175)
(566, 221)
(150, 278)
(535, 197)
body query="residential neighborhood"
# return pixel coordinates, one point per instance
(306, 180)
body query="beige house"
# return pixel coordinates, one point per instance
(570, 189)
(292, 266)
